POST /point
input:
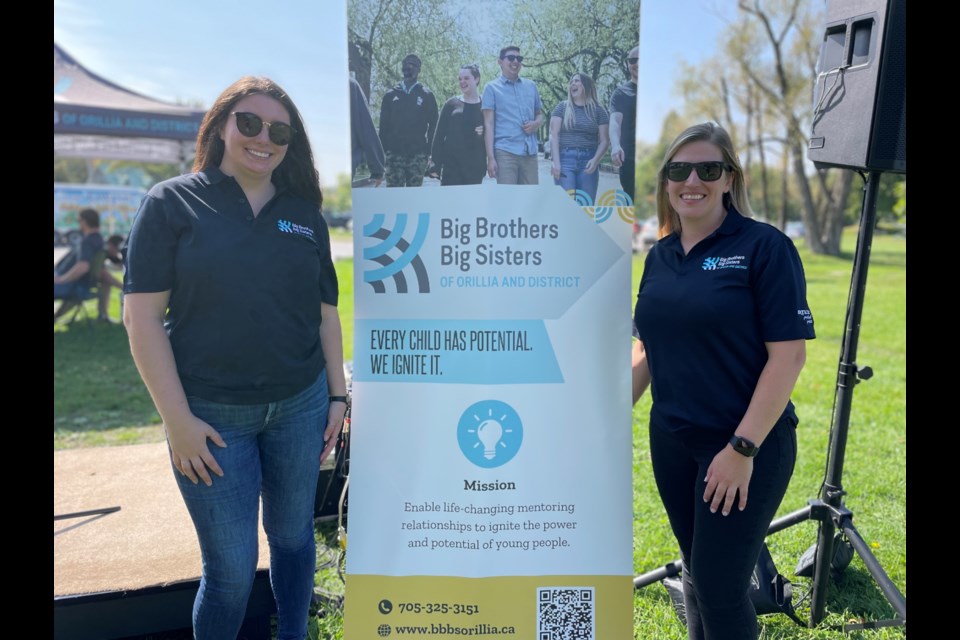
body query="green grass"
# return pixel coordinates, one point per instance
(99, 400)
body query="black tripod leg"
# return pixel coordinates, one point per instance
(798, 516)
(821, 572)
(896, 599)
(674, 568)
(656, 575)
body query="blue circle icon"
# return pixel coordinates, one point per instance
(489, 433)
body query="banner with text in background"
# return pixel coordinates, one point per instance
(491, 477)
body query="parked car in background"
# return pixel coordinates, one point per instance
(795, 230)
(645, 234)
(339, 219)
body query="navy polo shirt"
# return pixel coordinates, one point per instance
(245, 291)
(704, 318)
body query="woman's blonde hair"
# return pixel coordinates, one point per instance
(590, 100)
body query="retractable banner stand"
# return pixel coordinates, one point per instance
(491, 476)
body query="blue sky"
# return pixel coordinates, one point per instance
(192, 49)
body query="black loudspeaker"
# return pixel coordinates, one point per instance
(860, 97)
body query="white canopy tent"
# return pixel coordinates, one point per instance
(95, 118)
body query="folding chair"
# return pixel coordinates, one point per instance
(81, 294)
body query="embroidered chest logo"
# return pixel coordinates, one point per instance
(292, 227)
(731, 262)
(419, 101)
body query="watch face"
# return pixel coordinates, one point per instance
(744, 446)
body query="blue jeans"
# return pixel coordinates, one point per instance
(573, 175)
(273, 453)
(74, 289)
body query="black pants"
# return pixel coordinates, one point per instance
(719, 552)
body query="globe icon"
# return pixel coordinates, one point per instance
(383, 630)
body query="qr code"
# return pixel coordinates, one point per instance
(565, 613)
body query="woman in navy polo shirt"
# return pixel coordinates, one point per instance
(722, 318)
(232, 318)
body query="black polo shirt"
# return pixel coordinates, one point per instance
(245, 292)
(704, 319)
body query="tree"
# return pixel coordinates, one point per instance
(784, 75)
(380, 33)
(564, 37)
(339, 198)
(759, 88)
(900, 205)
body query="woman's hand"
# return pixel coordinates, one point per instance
(335, 415)
(592, 165)
(728, 473)
(189, 451)
(555, 169)
(479, 130)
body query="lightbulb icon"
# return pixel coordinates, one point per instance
(489, 433)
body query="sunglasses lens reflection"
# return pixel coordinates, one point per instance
(250, 125)
(706, 171)
(281, 133)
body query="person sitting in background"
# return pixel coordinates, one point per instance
(71, 276)
(107, 280)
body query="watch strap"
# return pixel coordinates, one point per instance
(743, 446)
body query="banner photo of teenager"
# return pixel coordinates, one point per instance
(491, 464)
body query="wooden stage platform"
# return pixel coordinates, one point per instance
(134, 571)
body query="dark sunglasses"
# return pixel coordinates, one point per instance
(250, 125)
(513, 58)
(633, 60)
(706, 171)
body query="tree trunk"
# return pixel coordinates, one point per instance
(784, 195)
(833, 220)
(764, 184)
(808, 211)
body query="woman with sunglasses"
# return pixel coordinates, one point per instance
(459, 155)
(231, 313)
(722, 320)
(579, 136)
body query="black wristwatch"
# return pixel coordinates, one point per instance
(743, 446)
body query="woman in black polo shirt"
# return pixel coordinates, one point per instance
(722, 318)
(232, 318)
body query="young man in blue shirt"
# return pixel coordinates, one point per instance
(512, 114)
